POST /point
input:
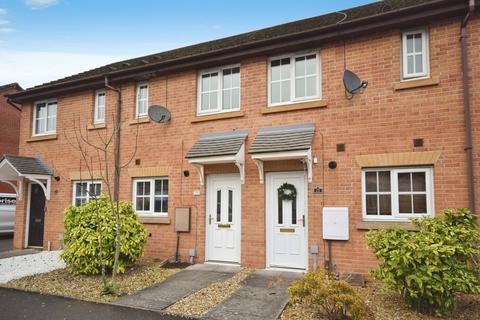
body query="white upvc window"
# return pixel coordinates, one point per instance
(99, 111)
(219, 90)
(45, 117)
(142, 100)
(150, 196)
(397, 193)
(84, 191)
(415, 60)
(294, 78)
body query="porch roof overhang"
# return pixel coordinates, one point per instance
(17, 169)
(288, 142)
(219, 148)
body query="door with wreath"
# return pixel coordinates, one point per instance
(286, 206)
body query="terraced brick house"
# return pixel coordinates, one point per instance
(10, 133)
(276, 164)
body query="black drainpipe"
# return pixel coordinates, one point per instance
(466, 107)
(117, 125)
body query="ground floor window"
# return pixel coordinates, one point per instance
(397, 193)
(84, 191)
(150, 196)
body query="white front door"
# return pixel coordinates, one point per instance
(223, 218)
(286, 221)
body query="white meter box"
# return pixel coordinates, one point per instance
(335, 223)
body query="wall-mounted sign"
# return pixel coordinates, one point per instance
(7, 201)
(317, 189)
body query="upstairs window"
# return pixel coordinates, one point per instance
(415, 54)
(294, 78)
(45, 117)
(402, 193)
(142, 100)
(219, 90)
(99, 112)
(84, 191)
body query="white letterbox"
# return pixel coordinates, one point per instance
(335, 223)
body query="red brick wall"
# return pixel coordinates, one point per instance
(9, 130)
(380, 120)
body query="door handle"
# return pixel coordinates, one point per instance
(303, 221)
(209, 219)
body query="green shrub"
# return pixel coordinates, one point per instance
(81, 238)
(334, 299)
(429, 267)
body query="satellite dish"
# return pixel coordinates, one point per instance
(159, 114)
(352, 82)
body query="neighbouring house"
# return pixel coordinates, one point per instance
(10, 133)
(277, 165)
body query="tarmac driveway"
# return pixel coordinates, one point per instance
(15, 304)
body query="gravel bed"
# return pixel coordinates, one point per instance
(199, 303)
(60, 282)
(27, 265)
(390, 306)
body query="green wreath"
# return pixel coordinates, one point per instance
(287, 192)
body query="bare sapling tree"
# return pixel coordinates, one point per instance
(99, 150)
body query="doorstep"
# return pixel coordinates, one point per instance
(16, 253)
(262, 296)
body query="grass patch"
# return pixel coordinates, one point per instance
(388, 306)
(59, 282)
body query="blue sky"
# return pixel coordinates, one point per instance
(42, 40)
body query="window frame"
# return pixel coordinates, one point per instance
(425, 55)
(137, 99)
(88, 182)
(34, 118)
(396, 216)
(96, 119)
(293, 77)
(219, 109)
(151, 212)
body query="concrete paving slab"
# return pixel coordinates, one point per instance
(262, 295)
(173, 289)
(16, 253)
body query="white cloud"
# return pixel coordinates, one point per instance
(33, 68)
(3, 11)
(4, 22)
(37, 4)
(6, 30)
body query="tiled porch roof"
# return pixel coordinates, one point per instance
(218, 144)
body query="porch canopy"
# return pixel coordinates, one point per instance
(288, 142)
(17, 169)
(218, 148)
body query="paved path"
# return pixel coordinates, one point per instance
(177, 286)
(16, 304)
(262, 296)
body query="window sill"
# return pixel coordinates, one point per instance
(418, 83)
(43, 138)
(154, 220)
(218, 116)
(375, 225)
(139, 120)
(295, 106)
(95, 126)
